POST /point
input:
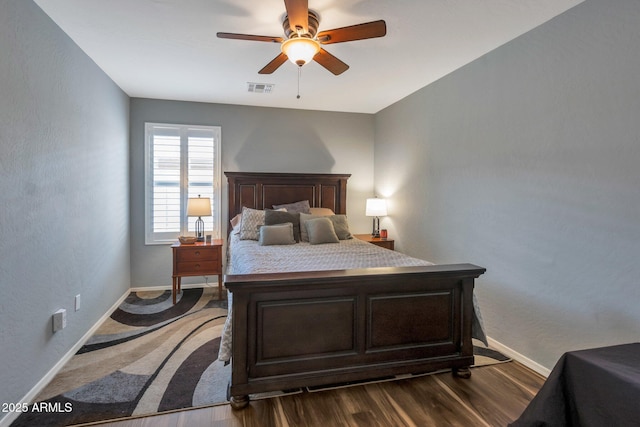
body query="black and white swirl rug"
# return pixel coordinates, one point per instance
(150, 356)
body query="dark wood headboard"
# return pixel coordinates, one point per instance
(260, 190)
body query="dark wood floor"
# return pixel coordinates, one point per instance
(493, 396)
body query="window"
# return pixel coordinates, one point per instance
(180, 162)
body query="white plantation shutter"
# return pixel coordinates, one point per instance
(181, 162)
(201, 160)
(165, 149)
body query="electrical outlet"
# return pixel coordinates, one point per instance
(77, 302)
(59, 319)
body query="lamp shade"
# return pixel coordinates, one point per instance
(199, 206)
(300, 50)
(376, 207)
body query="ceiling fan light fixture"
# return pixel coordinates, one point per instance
(300, 50)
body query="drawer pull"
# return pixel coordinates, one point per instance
(197, 252)
(197, 266)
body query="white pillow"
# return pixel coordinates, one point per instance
(250, 224)
(235, 223)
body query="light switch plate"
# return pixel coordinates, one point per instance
(59, 319)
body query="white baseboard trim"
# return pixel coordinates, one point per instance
(11, 416)
(213, 284)
(519, 357)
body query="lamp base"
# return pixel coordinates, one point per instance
(199, 230)
(376, 227)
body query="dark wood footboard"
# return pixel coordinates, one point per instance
(293, 330)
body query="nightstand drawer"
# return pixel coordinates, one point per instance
(387, 244)
(197, 254)
(383, 243)
(195, 267)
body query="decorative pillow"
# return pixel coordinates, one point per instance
(235, 223)
(282, 217)
(297, 207)
(251, 221)
(321, 211)
(304, 236)
(281, 234)
(320, 230)
(341, 226)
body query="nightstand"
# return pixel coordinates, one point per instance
(383, 243)
(197, 259)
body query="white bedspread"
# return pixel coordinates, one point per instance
(247, 257)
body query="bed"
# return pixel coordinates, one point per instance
(292, 329)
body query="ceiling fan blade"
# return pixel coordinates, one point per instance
(274, 64)
(250, 37)
(367, 30)
(330, 62)
(298, 14)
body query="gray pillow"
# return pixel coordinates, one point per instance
(304, 236)
(281, 234)
(320, 230)
(341, 226)
(281, 217)
(297, 207)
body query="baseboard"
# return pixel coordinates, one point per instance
(35, 390)
(214, 284)
(518, 357)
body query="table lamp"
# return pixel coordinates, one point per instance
(200, 206)
(376, 208)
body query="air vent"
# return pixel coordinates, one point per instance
(260, 87)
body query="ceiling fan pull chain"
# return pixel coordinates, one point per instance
(299, 73)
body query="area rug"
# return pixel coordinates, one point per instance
(149, 357)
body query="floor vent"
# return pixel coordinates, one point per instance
(260, 87)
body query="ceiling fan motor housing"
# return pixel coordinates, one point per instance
(314, 21)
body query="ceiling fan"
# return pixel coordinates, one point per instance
(303, 42)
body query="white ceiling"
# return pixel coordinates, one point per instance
(168, 49)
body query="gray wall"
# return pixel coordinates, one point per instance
(527, 162)
(254, 139)
(64, 194)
